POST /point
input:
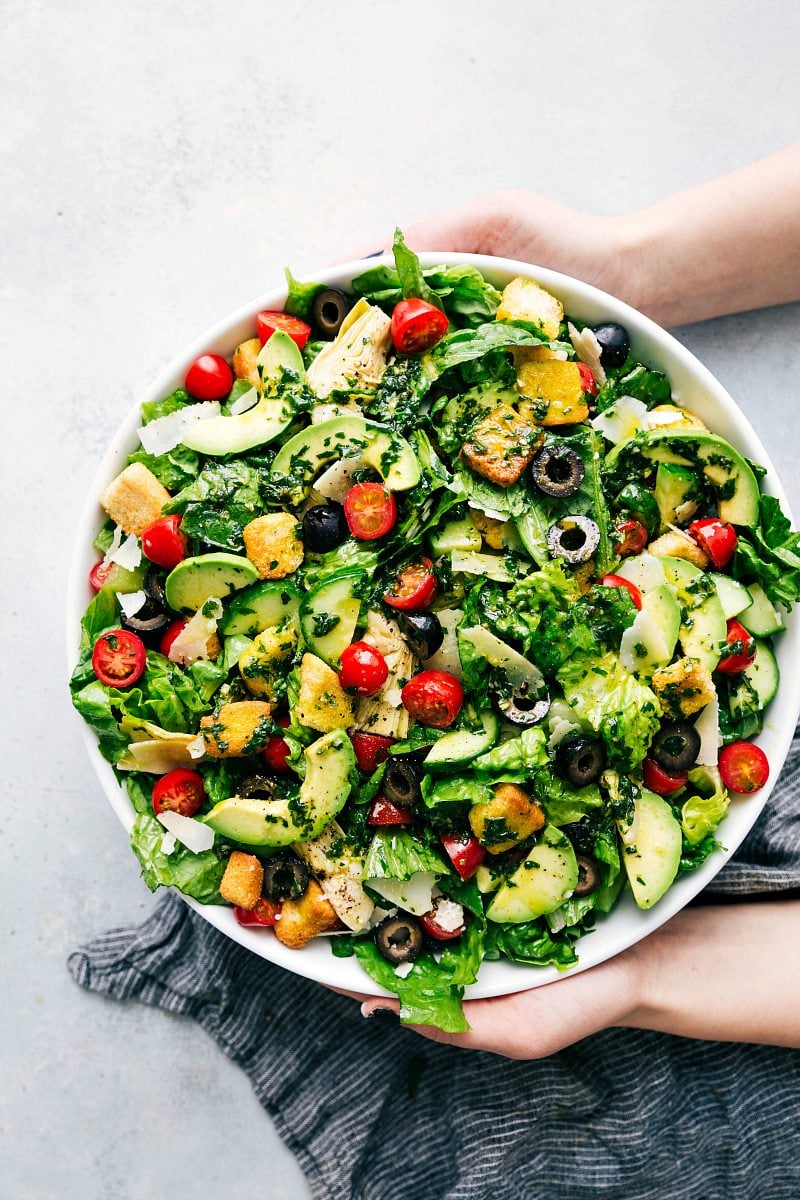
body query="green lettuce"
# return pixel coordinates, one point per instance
(702, 812)
(218, 504)
(633, 379)
(622, 709)
(428, 995)
(196, 875)
(529, 942)
(300, 296)
(562, 803)
(395, 854)
(770, 555)
(516, 759)
(153, 409)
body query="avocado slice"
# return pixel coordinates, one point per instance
(653, 843)
(195, 580)
(675, 485)
(541, 883)
(280, 822)
(302, 458)
(267, 419)
(650, 641)
(703, 628)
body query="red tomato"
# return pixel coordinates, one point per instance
(370, 510)
(588, 381)
(631, 537)
(383, 812)
(660, 781)
(464, 851)
(118, 658)
(267, 322)
(716, 538)
(618, 582)
(209, 378)
(433, 698)
(744, 767)
(371, 750)
(363, 669)
(163, 542)
(417, 325)
(179, 791)
(414, 587)
(277, 750)
(430, 924)
(265, 913)
(98, 576)
(170, 633)
(744, 650)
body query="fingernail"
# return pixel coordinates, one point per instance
(385, 1014)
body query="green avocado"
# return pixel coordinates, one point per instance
(652, 849)
(280, 822)
(703, 628)
(541, 883)
(675, 486)
(195, 580)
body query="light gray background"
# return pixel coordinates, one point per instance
(160, 164)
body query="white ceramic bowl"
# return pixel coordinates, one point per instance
(696, 389)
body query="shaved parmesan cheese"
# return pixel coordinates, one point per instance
(326, 412)
(587, 348)
(128, 555)
(335, 483)
(403, 970)
(131, 602)
(197, 748)
(244, 403)
(168, 842)
(165, 433)
(194, 835)
(447, 657)
(622, 420)
(415, 895)
(559, 730)
(644, 570)
(116, 542)
(449, 915)
(707, 726)
(489, 512)
(191, 643)
(644, 632)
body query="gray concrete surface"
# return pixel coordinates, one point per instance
(160, 163)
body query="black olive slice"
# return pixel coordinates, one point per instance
(581, 759)
(614, 343)
(574, 539)
(145, 623)
(399, 939)
(400, 783)
(257, 787)
(285, 877)
(676, 746)
(154, 587)
(328, 309)
(324, 527)
(522, 709)
(423, 632)
(588, 876)
(557, 471)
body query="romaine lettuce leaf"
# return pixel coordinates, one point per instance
(770, 555)
(197, 875)
(562, 803)
(622, 709)
(705, 807)
(529, 942)
(515, 759)
(428, 995)
(395, 854)
(176, 469)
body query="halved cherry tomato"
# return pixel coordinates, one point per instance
(277, 750)
(464, 851)
(265, 913)
(170, 633)
(660, 781)
(717, 538)
(163, 542)
(744, 767)
(209, 378)
(414, 587)
(417, 325)
(433, 698)
(98, 576)
(371, 750)
(744, 649)
(383, 812)
(588, 381)
(618, 582)
(370, 510)
(179, 791)
(430, 924)
(119, 658)
(363, 669)
(631, 537)
(267, 322)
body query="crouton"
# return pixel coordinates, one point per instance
(495, 533)
(552, 392)
(134, 499)
(273, 544)
(241, 884)
(508, 818)
(535, 354)
(524, 300)
(260, 663)
(245, 361)
(323, 704)
(239, 728)
(303, 919)
(583, 575)
(679, 545)
(669, 416)
(684, 686)
(501, 445)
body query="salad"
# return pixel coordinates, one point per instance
(432, 620)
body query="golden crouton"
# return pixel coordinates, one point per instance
(241, 884)
(303, 919)
(685, 686)
(495, 533)
(260, 663)
(508, 818)
(323, 704)
(501, 445)
(679, 545)
(533, 354)
(245, 361)
(134, 499)
(273, 544)
(552, 392)
(680, 418)
(239, 728)
(524, 300)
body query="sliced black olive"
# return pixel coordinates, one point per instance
(399, 939)
(557, 471)
(257, 787)
(676, 746)
(574, 539)
(400, 784)
(423, 632)
(154, 587)
(581, 759)
(329, 308)
(523, 709)
(285, 877)
(614, 343)
(324, 527)
(588, 876)
(148, 622)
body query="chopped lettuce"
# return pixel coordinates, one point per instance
(622, 709)
(702, 812)
(564, 804)
(516, 759)
(300, 296)
(176, 469)
(530, 942)
(429, 994)
(770, 554)
(396, 854)
(196, 875)
(218, 504)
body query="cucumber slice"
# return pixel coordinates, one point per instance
(329, 615)
(260, 607)
(761, 618)
(457, 535)
(763, 675)
(733, 596)
(461, 746)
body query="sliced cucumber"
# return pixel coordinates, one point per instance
(733, 596)
(260, 607)
(763, 675)
(456, 535)
(329, 615)
(761, 618)
(461, 746)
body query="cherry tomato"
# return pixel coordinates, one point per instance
(98, 576)
(588, 381)
(717, 539)
(179, 791)
(370, 510)
(417, 325)
(118, 658)
(464, 851)
(267, 322)
(618, 582)
(371, 750)
(163, 542)
(430, 924)
(170, 633)
(414, 587)
(363, 669)
(744, 767)
(744, 650)
(660, 781)
(209, 378)
(631, 537)
(433, 698)
(383, 812)
(277, 750)
(265, 913)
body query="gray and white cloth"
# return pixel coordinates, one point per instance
(622, 1115)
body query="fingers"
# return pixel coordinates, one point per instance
(462, 230)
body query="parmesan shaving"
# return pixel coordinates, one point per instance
(116, 541)
(131, 602)
(168, 842)
(403, 970)
(194, 835)
(244, 403)
(622, 420)
(129, 554)
(415, 895)
(191, 643)
(165, 433)
(197, 748)
(587, 348)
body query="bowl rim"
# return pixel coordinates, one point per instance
(501, 977)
